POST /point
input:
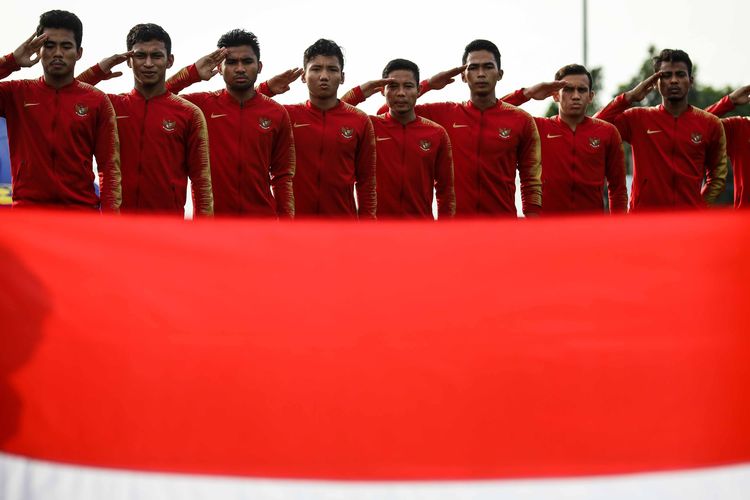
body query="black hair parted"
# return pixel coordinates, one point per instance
(61, 19)
(239, 37)
(575, 69)
(480, 44)
(405, 64)
(673, 56)
(323, 47)
(146, 33)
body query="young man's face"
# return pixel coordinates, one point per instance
(150, 62)
(59, 52)
(575, 97)
(401, 94)
(323, 75)
(675, 82)
(482, 73)
(241, 67)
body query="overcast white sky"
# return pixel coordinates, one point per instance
(535, 36)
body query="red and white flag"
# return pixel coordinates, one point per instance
(589, 357)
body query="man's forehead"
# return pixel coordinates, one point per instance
(241, 52)
(402, 75)
(321, 60)
(673, 66)
(480, 57)
(150, 46)
(576, 80)
(59, 35)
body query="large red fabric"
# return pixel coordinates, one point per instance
(389, 351)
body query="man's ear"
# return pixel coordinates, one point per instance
(260, 67)
(500, 74)
(80, 53)
(170, 60)
(556, 96)
(342, 77)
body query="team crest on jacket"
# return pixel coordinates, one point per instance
(425, 145)
(595, 142)
(696, 138)
(81, 110)
(347, 132)
(265, 123)
(504, 133)
(168, 125)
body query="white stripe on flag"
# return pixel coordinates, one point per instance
(26, 479)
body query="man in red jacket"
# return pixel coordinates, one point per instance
(334, 142)
(163, 137)
(413, 153)
(490, 139)
(250, 135)
(57, 124)
(675, 145)
(737, 130)
(578, 153)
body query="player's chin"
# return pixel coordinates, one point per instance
(241, 86)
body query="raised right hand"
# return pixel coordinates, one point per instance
(444, 78)
(24, 54)
(543, 90)
(373, 86)
(643, 89)
(208, 65)
(110, 62)
(740, 96)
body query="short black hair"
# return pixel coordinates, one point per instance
(476, 45)
(397, 64)
(61, 19)
(673, 56)
(323, 47)
(238, 37)
(575, 69)
(147, 32)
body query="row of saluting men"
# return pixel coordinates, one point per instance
(245, 154)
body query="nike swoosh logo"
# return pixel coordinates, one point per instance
(550, 136)
(649, 132)
(383, 139)
(217, 116)
(121, 117)
(298, 125)
(456, 125)
(27, 104)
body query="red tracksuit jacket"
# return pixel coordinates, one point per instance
(252, 150)
(412, 161)
(53, 135)
(488, 146)
(335, 150)
(671, 156)
(576, 163)
(163, 141)
(737, 130)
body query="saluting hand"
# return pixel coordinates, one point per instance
(110, 62)
(374, 86)
(443, 78)
(644, 88)
(543, 90)
(740, 96)
(208, 66)
(280, 83)
(27, 54)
